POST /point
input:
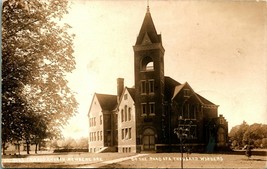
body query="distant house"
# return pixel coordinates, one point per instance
(144, 117)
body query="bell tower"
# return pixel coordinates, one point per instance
(149, 83)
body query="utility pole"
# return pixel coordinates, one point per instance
(183, 133)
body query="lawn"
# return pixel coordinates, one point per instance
(132, 160)
(173, 160)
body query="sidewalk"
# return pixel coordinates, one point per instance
(104, 163)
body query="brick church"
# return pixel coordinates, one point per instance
(146, 116)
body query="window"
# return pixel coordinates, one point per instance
(143, 87)
(194, 113)
(126, 134)
(186, 111)
(122, 134)
(125, 109)
(143, 107)
(122, 115)
(98, 136)
(91, 122)
(150, 66)
(186, 92)
(101, 136)
(94, 121)
(101, 119)
(221, 135)
(125, 97)
(151, 86)
(221, 121)
(130, 133)
(147, 64)
(152, 108)
(129, 114)
(116, 120)
(193, 131)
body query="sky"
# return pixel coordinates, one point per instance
(218, 47)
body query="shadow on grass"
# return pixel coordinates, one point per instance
(113, 165)
(254, 153)
(256, 159)
(15, 156)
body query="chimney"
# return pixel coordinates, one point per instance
(120, 87)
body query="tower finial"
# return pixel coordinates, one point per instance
(147, 6)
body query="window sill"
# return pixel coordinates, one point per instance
(143, 71)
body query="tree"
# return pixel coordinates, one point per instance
(264, 142)
(36, 56)
(82, 143)
(69, 143)
(238, 132)
(248, 152)
(254, 132)
(244, 134)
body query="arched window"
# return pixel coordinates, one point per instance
(122, 115)
(129, 114)
(147, 64)
(125, 110)
(150, 66)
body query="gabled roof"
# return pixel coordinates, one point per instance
(170, 85)
(107, 102)
(205, 101)
(202, 100)
(148, 28)
(177, 89)
(132, 92)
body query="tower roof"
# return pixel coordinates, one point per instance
(148, 29)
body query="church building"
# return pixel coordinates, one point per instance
(158, 114)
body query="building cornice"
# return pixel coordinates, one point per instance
(149, 47)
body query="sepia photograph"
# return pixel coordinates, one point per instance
(134, 84)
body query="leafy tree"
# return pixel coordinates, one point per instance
(69, 143)
(264, 142)
(36, 56)
(254, 132)
(237, 133)
(82, 143)
(54, 144)
(244, 134)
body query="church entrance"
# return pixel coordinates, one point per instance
(149, 140)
